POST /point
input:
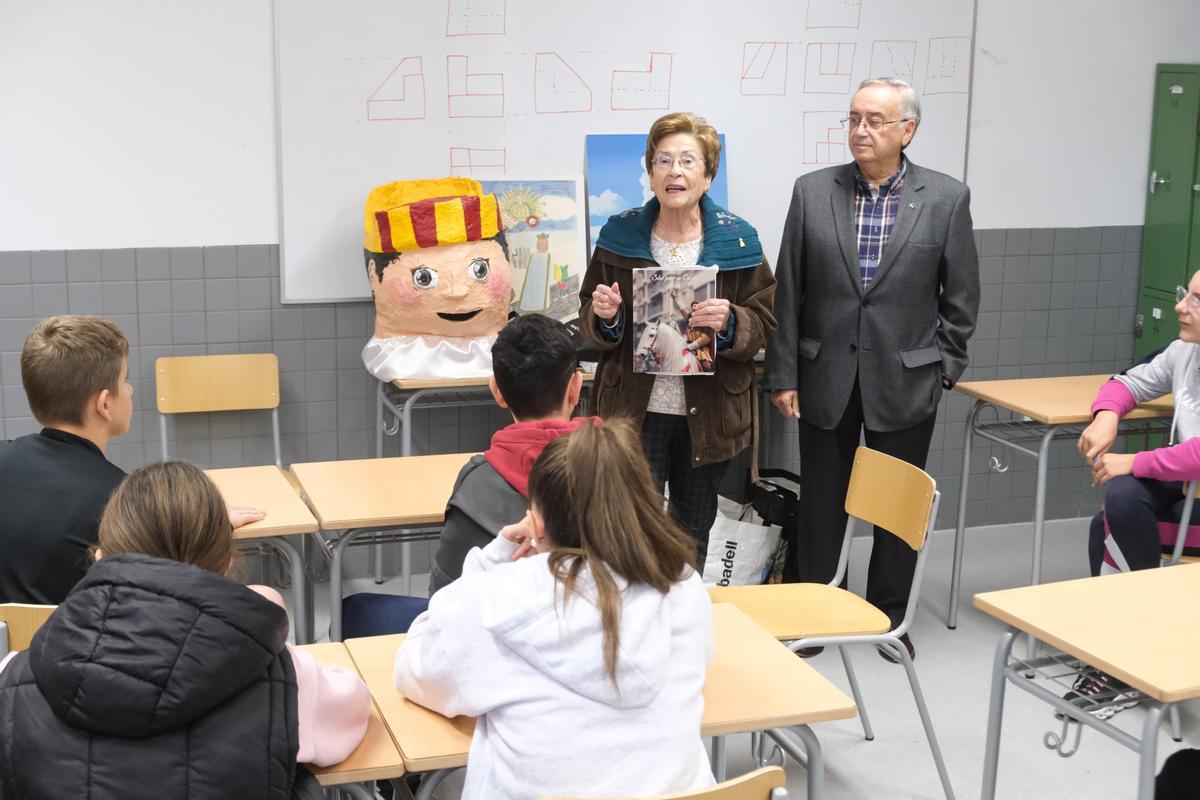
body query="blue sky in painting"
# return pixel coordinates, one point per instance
(616, 179)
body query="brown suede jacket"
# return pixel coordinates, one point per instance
(722, 408)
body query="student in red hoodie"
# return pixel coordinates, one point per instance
(534, 376)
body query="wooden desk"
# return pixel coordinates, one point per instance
(377, 757)
(754, 683)
(1057, 408)
(1056, 401)
(380, 492)
(1133, 625)
(267, 488)
(370, 494)
(458, 391)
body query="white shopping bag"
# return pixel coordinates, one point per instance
(739, 550)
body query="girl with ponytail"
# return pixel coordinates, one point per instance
(581, 636)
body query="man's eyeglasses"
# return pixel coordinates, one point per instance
(874, 124)
(687, 162)
(1181, 293)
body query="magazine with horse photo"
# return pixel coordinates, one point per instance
(663, 299)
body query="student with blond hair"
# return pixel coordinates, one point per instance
(54, 483)
(159, 676)
(580, 636)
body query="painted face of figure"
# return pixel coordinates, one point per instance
(456, 290)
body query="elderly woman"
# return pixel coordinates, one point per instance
(691, 426)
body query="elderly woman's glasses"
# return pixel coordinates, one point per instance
(1181, 294)
(687, 162)
(874, 124)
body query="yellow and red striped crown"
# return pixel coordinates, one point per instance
(409, 215)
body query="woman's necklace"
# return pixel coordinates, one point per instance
(675, 245)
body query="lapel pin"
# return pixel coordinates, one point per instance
(741, 242)
(912, 205)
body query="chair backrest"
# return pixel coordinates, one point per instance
(185, 384)
(189, 384)
(762, 784)
(892, 494)
(21, 621)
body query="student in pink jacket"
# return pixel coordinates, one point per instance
(1143, 491)
(158, 676)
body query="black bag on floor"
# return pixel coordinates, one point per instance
(778, 503)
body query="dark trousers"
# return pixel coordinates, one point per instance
(693, 504)
(826, 458)
(1180, 777)
(1133, 509)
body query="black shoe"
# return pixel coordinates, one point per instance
(809, 652)
(1100, 694)
(886, 653)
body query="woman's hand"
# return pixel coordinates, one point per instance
(711, 313)
(606, 301)
(1097, 438)
(523, 534)
(1111, 465)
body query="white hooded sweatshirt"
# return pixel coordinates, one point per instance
(495, 645)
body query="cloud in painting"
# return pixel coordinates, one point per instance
(606, 204)
(557, 207)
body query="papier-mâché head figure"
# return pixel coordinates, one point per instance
(436, 259)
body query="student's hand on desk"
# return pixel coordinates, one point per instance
(787, 401)
(244, 515)
(1097, 438)
(1111, 465)
(522, 534)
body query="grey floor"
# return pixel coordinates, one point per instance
(954, 669)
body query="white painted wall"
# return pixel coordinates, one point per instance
(1060, 122)
(140, 123)
(136, 123)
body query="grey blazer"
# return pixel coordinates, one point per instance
(905, 333)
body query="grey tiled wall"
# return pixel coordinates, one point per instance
(1055, 302)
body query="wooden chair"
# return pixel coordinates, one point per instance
(18, 623)
(205, 384)
(897, 497)
(192, 384)
(761, 784)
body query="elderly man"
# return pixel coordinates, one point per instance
(878, 294)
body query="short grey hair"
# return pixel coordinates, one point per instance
(910, 103)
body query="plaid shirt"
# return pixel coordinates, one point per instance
(874, 217)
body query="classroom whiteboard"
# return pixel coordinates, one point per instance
(371, 91)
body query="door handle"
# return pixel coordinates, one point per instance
(1156, 181)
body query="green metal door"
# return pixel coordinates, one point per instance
(1169, 250)
(1157, 324)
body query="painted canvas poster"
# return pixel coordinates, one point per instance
(617, 178)
(544, 227)
(666, 344)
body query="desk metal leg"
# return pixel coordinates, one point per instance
(1146, 766)
(810, 756)
(379, 390)
(287, 551)
(406, 423)
(961, 524)
(718, 758)
(430, 781)
(335, 584)
(991, 752)
(1039, 518)
(357, 791)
